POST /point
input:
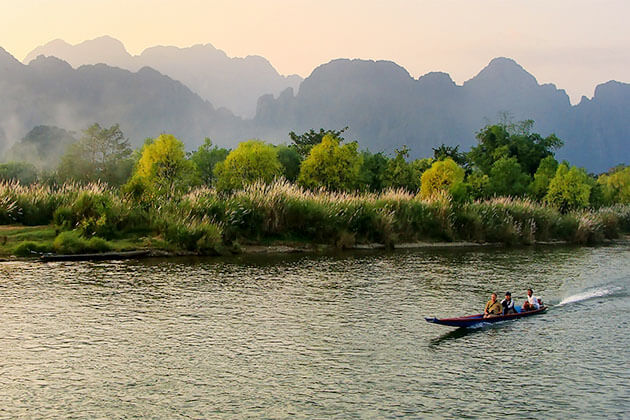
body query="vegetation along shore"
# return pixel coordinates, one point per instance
(320, 190)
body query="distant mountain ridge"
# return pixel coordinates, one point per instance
(382, 104)
(386, 108)
(230, 82)
(48, 91)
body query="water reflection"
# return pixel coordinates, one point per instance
(314, 336)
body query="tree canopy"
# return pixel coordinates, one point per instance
(163, 167)
(303, 143)
(443, 176)
(101, 154)
(331, 165)
(505, 141)
(251, 161)
(507, 178)
(206, 158)
(570, 188)
(616, 185)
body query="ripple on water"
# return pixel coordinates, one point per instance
(315, 336)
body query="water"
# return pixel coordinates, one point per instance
(316, 336)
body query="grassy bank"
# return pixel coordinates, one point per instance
(96, 218)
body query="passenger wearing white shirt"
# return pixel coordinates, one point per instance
(532, 301)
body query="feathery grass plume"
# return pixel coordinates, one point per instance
(589, 229)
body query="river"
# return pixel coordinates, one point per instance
(317, 336)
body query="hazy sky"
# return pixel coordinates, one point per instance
(575, 44)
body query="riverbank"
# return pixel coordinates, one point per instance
(281, 218)
(42, 238)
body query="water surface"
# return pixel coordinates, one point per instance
(316, 336)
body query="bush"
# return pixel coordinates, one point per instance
(30, 249)
(96, 244)
(71, 242)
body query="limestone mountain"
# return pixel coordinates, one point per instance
(386, 108)
(48, 91)
(383, 105)
(231, 82)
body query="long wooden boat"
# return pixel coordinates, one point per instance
(95, 257)
(476, 320)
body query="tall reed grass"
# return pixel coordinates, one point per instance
(204, 220)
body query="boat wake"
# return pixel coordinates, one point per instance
(595, 292)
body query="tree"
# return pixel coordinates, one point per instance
(616, 185)
(443, 151)
(402, 174)
(507, 178)
(43, 146)
(290, 160)
(505, 141)
(569, 189)
(543, 176)
(303, 143)
(163, 167)
(23, 172)
(373, 171)
(331, 165)
(251, 161)
(101, 154)
(206, 158)
(478, 185)
(443, 176)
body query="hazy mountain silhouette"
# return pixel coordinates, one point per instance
(231, 82)
(42, 146)
(382, 104)
(49, 91)
(386, 108)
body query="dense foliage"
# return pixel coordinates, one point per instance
(509, 188)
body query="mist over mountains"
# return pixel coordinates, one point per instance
(231, 82)
(48, 91)
(382, 104)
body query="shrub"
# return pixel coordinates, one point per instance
(30, 249)
(96, 244)
(69, 242)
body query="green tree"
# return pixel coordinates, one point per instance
(569, 189)
(23, 172)
(443, 176)
(163, 167)
(206, 158)
(478, 185)
(505, 141)
(402, 174)
(443, 152)
(543, 176)
(43, 146)
(101, 154)
(251, 161)
(373, 171)
(303, 143)
(507, 178)
(616, 185)
(290, 160)
(331, 165)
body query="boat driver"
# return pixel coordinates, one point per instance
(508, 304)
(493, 307)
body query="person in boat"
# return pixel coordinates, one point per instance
(493, 307)
(532, 301)
(508, 304)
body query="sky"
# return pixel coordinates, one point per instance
(575, 44)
